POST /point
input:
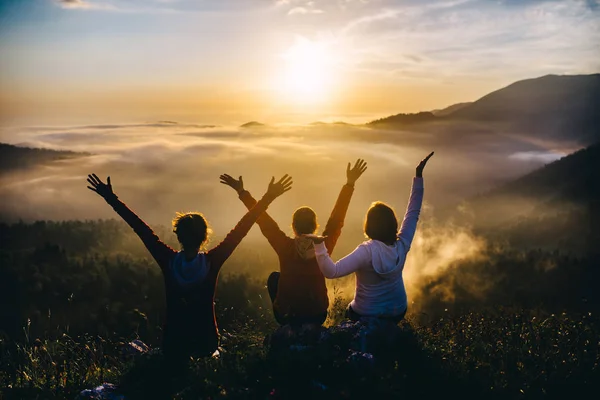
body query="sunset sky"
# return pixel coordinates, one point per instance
(230, 61)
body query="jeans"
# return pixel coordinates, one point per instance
(354, 316)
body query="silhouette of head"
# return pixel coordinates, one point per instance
(304, 221)
(381, 223)
(191, 230)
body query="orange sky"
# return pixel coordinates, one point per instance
(279, 61)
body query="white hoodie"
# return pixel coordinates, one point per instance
(380, 288)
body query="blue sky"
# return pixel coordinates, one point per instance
(238, 58)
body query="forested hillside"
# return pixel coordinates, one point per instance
(15, 157)
(557, 206)
(92, 279)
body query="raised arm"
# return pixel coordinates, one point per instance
(333, 229)
(411, 217)
(221, 252)
(269, 228)
(159, 250)
(359, 258)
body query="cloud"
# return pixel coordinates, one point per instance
(86, 5)
(304, 10)
(157, 6)
(162, 168)
(471, 39)
(74, 3)
(544, 156)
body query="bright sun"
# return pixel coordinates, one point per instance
(307, 77)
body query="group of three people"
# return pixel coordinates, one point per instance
(298, 291)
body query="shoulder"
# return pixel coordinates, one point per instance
(367, 243)
(365, 246)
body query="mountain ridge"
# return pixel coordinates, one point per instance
(556, 205)
(551, 107)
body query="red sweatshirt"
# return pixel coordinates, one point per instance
(190, 326)
(301, 291)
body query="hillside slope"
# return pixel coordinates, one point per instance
(450, 109)
(552, 108)
(404, 119)
(557, 205)
(549, 107)
(15, 157)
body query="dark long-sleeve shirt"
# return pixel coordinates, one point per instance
(301, 290)
(190, 326)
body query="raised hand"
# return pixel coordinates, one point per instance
(421, 166)
(237, 185)
(352, 174)
(278, 188)
(103, 189)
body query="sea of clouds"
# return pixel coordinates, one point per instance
(160, 168)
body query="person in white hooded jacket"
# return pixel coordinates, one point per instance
(379, 262)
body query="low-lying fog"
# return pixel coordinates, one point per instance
(160, 168)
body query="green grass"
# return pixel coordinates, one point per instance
(500, 353)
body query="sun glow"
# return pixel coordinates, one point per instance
(308, 72)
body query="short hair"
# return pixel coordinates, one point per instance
(191, 229)
(304, 221)
(381, 223)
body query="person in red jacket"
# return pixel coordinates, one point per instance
(190, 275)
(298, 291)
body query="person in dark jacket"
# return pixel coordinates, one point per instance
(190, 275)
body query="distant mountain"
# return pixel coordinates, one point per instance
(252, 124)
(557, 205)
(450, 109)
(335, 123)
(15, 157)
(551, 107)
(404, 119)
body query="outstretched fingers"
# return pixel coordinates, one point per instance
(362, 166)
(288, 179)
(287, 185)
(93, 180)
(225, 179)
(97, 179)
(103, 189)
(422, 164)
(286, 182)
(284, 178)
(427, 158)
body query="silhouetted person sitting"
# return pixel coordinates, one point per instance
(298, 292)
(378, 262)
(190, 275)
